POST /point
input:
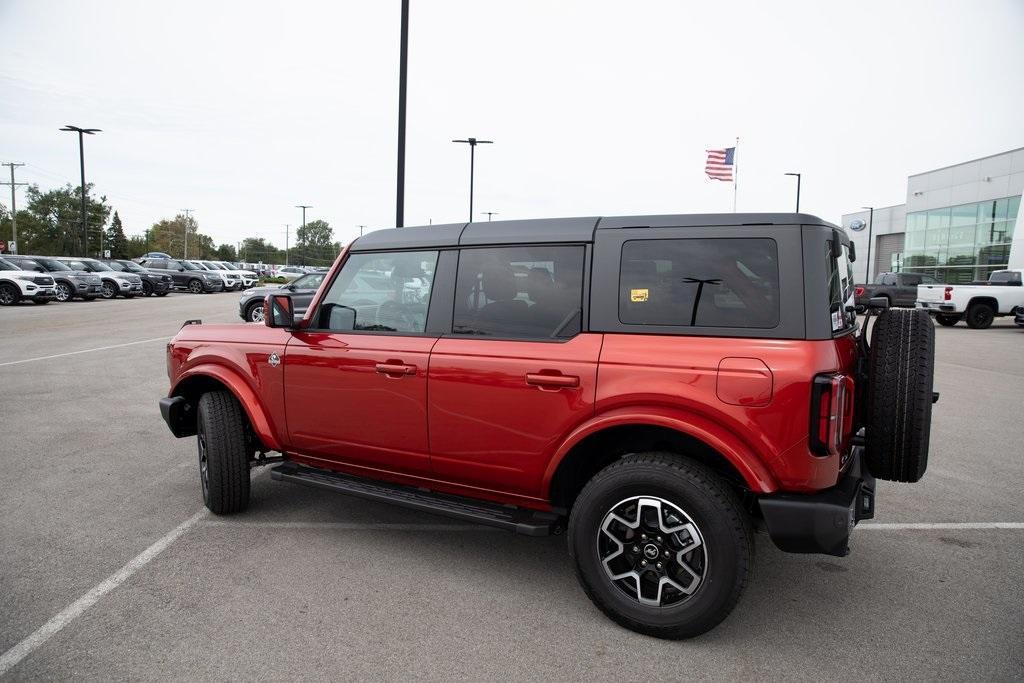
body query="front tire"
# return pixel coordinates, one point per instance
(108, 290)
(147, 289)
(661, 545)
(63, 292)
(9, 294)
(254, 312)
(223, 448)
(195, 286)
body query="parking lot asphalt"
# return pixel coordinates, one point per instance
(110, 569)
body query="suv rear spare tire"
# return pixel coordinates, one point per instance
(643, 534)
(221, 437)
(901, 366)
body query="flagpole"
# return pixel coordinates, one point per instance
(735, 173)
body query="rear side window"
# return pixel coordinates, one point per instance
(840, 287)
(715, 282)
(531, 292)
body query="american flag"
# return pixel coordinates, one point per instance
(720, 163)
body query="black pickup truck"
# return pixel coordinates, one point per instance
(899, 288)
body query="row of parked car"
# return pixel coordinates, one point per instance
(978, 303)
(42, 279)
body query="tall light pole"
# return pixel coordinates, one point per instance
(188, 218)
(286, 228)
(81, 161)
(403, 62)
(489, 214)
(303, 207)
(797, 190)
(871, 224)
(14, 206)
(472, 142)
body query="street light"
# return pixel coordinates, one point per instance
(360, 229)
(472, 142)
(489, 214)
(81, 160)
(797, 190)
(403, 70)
(871, 221)
(303, 207)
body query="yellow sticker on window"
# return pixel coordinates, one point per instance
(638, 295)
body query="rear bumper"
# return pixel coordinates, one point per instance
(933, 307)
(179, 416)
(822, 522)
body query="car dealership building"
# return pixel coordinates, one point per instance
(959, 223)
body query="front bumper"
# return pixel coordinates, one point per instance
(42, 295)
(179, 415)
(213, 286)
(822, 522)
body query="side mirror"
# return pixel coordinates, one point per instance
(853, 252)
(278, 311)
(181, 270)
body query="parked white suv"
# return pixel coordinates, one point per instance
(17, 285)
(249, 278)
(979, 305)
(232, 280)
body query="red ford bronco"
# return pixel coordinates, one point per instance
(658, 387)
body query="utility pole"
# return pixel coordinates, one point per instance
(188, 219)
(81, 160)
(286, 227)
(303, 207)
(14, 206)
(472, 142)
(403, 71)
(489, 214)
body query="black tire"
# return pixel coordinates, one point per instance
(948, 319)
(195, 286)
(901, 367)
(980, 316)
(722, 526)
(64, 292)
(9, 294)
(147, 288)
(222, 441)
(109, 290)
(250, 312)
(161, 293)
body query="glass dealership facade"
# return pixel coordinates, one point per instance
(958, 244)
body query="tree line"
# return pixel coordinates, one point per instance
(50, 225)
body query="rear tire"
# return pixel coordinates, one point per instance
(980, 316)
(947, 319)
(254, 312)
(223, 445)
(684, 564)
(147, 288)
(901, 367)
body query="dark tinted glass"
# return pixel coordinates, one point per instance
(519, 292)
(728, 282)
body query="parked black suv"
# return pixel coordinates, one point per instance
(153, 281)
(68, 283)
(250, 306)
(184, 275)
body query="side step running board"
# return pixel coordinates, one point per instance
(519, 520)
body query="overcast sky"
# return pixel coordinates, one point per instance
(240, 110)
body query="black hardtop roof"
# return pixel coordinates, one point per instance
(551, 230)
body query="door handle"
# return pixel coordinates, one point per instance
(396, 369)
(559, 381)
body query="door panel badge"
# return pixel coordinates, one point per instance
(639, 295)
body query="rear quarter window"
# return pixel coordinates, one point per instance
(700, 282)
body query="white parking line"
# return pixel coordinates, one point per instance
(352, 526)
(902, 526)
(23, 649)
(75, 353)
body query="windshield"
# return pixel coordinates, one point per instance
(4, 265)
(215, 266)
(98, 265)
(130, 266)
(189, 266)
(52, 264)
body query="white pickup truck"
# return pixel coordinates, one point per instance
(979, 305)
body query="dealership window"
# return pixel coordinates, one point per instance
(380, 293)
(533, 292)
(715, 282)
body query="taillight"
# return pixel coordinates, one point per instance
(858, 291)
(831, 414)
(948, 294)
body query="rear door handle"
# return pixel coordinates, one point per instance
(396, 369)
(560, 381)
